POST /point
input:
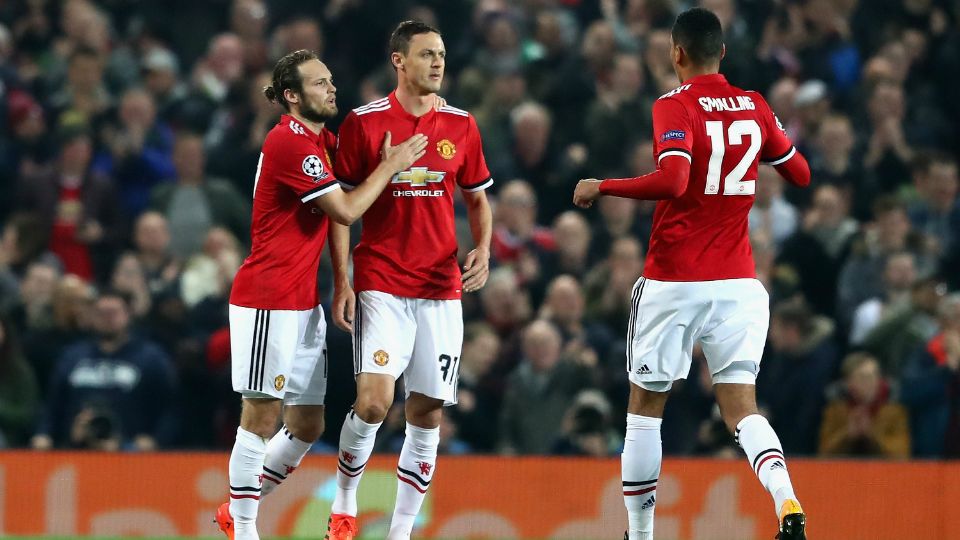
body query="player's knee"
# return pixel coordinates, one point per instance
(371, 410)
(307, 431)
(260, 416)
(305, 423)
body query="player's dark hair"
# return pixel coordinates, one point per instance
(698, 32)
(286, 75)
(403, 34)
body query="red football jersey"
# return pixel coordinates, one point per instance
(288, 231)
(409, 246)
(724, 132)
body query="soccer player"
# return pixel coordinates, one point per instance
(406, 317)
(277, 328)
(699, 283)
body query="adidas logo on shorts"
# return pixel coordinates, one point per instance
(649, 503)
(644, 370)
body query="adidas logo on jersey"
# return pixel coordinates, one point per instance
(644, 370)
(649, 503)
(297, 128)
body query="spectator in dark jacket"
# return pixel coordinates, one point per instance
(931, 388)
(798, 364)
(111, 392)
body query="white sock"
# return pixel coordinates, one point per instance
(284, 453)
(640, 470)
(356, 445)
(765, 455)
(246, 465)
(415, 470)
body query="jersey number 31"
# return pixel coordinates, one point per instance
(733, 183)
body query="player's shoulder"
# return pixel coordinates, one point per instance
(676, 94)
(372, 110)
(288, 132)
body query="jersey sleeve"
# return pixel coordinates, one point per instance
(304, 168)
(474, 175)
(350, 159)
(777, 147)
(672, 130)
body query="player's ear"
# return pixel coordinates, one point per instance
(397, 60)
(291, 96)
(723, 50)
(678, 53)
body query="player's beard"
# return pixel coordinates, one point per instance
(319, 116)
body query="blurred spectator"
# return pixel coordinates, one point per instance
(586, 428)
(931, 388)
(816, 252)
(475, 411)
(220, 68)
(617, 217)
(111, 392)
(19, 394)
(195, 203)
(237, 133)
(571, 235)
(79, 208)
(22, 243)
(209, 273)
(161, 77)
(564, 307)
(534, 156)
(799, 362)
(70, 306)
(151, 239)
(861, 278)
(609, 285)
(137, 150)
(936, 212)
(770, 211)
(899, 275)
(863, 422)
(833, 162)
(618, 117)
(84, 96)
(888, 151)
(539, 392)
(27, 150)
(129, 278)
(900, 332)
(34, 311)
(516, 235)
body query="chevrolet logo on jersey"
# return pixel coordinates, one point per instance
(418, 177)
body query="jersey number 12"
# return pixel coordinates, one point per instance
(733, 183)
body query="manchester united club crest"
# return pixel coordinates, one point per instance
(279, 382)
(381, 357)
(446, 149)
(425, 467)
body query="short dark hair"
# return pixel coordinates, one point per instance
(401, 36)
(286, 75)
(885, 204)
(699, 33)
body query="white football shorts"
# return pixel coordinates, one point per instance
(279, 354)
(729, 318)
(414, 337)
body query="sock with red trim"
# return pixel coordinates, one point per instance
(415, 470)
(246, 465)
(765, 455)
(640, 471)
(356, 445)
(284, 454)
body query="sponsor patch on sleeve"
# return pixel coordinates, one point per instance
(673, 135)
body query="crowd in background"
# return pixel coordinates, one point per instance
(131, 134)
